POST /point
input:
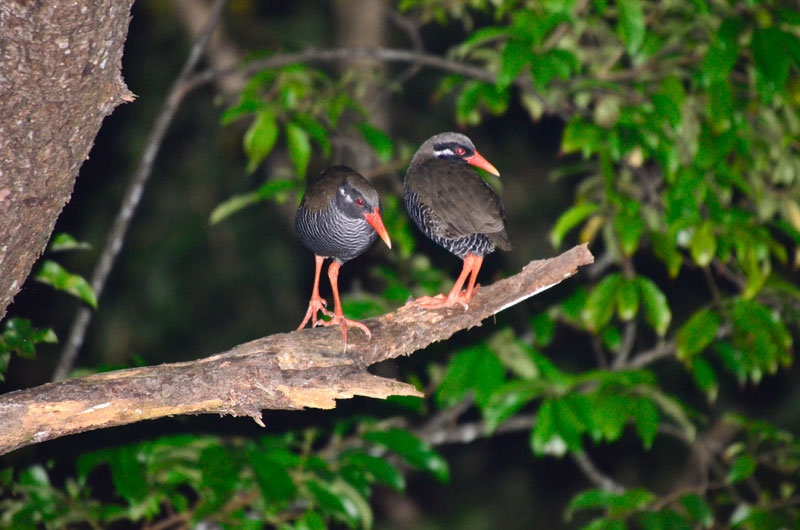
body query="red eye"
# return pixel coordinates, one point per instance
(460, 151)
(359, 202)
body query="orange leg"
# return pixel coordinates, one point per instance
(473, 287)
(472, 265)
(316, 303)
(338, 314)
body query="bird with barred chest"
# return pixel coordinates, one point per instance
(339, 217)
(452, 205)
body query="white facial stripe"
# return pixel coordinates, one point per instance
(444, 152)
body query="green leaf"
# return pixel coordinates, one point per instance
(610, 412)
(600, 303)
(553, 64)
(20, 337)
(771, 55)
(413, 450)
(260, 138)
(379, 469)
(741, 468)
(627, 299)
(724, 51)
(468, 102)
(669, 100)
(698, 510)
(475, 369)
(334, 503)
(378, 140)
(720, 104)
(703, 245)
(544, 328)
(572, 306)
(56, 276)
(705, 377)
(646, 419)
(656, 309)
(616, 504)
(545, 438)
(479, 37)
(271, 189)
(274, 481)
(127, 473)
(631, 25)
(666, 250)
(219, 477)
(299, 148)
(696, 334)
(515, 56)
(310, 520)
(590, 499)
(629, 226)
(63, 241)
(232, 205)
(671, 407)
(580, 135)
(508, 400)
(354, 501)
(315, 130)
(561, 423)
(664, 519)
(569, 220)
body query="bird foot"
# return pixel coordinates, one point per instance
(315, 305)
(345, 322)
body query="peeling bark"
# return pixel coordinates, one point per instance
(295, 370)
(59, 77)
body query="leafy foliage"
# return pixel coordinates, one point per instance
(19, 337)
(238, 483)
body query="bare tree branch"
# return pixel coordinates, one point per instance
(285, 371)
(596, 476)
(116, 236)
(381, 54)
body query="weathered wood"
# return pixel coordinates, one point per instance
(304, 368)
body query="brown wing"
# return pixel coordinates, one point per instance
(461, 199)
(321, 189)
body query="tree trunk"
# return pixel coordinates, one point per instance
(60, 76)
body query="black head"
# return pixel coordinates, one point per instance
(354, 195)
(454, 147)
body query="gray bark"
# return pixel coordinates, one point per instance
(59, 77)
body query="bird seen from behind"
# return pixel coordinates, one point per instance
(339, 217)
(452, 205)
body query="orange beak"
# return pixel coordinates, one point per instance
(375, 220)
(478, 161)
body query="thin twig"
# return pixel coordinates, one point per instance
(628, 340)
(411, 28)
(133, 195)
(660, 351)
(597, 477)
(381, 54)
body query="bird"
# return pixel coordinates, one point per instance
(339, 217)
(452, 205)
